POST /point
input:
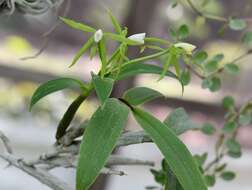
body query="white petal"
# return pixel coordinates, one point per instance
(98, 35)
(138, 37)
(186, 46)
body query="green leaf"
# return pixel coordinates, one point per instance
(139, 95)
(76, 25)
(220, 168)
(92, 52)
(54, 86)
(176, 154)
(179, 121)
(159, 176)
(218, 57)
(169, 60)
(121, 39)
(103, 55)
(183, 32)
(233, 145)
(210, 180)
(141, 68)
(201, 159)
(115, 22)
(99, 140)
(199, 57)
(83, 49)
(232, 68)
(213, 84)
(247, 38)
(68, 116)
(185, 77)
(229, 127)
(208, 129)
(228, 102)
(103, 87)
(245, 119)
(237, 24)
(211, 66)
(228, 175)
(235, 154)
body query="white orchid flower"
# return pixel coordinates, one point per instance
(98, 35)
(138, 37)
(186, 46)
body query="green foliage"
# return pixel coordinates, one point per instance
(199, 57)
(228, 102)
(247, 38)
(232, 68)
(175, 152)
(115, 23)
(183, 32)
(103, 87)
(77, 25)
(233, 146)
(101, 134)
(185, 77)
(229, 127)
(54, 86)
(228, 175)
(179, 121)
(200, 159)
(84, 48)
(210, 180)
(237, 24)
(130, 70)
(139, 95)
(165, 177)
(180, 170)
(208, 129)
(213, 84)
(245, 119)
(68, 116)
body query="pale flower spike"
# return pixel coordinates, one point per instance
(138, 37)
(98, 35)
(186, 46)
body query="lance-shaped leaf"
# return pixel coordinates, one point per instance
(130, 70)
(83, 49)
(141, 68)
(139, 95)
(121, 38)
(99, 140)
(115, 22)
(77, 25)
(54, 86)
(179, 121)
(176, 154)
(102, 54)
(69, 115)
(103, 87)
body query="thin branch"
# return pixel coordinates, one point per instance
(109, 171)
(206, 15)
(6, 143)
(70, 161)
(126, 139)
(119, 160)
(41, 175)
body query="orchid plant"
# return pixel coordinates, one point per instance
(179, 59)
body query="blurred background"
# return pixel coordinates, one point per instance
(32, 133)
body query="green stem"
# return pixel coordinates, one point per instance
(148, 57)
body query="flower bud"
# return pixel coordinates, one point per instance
(138, 37)
(186, 46)
(98, 35)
